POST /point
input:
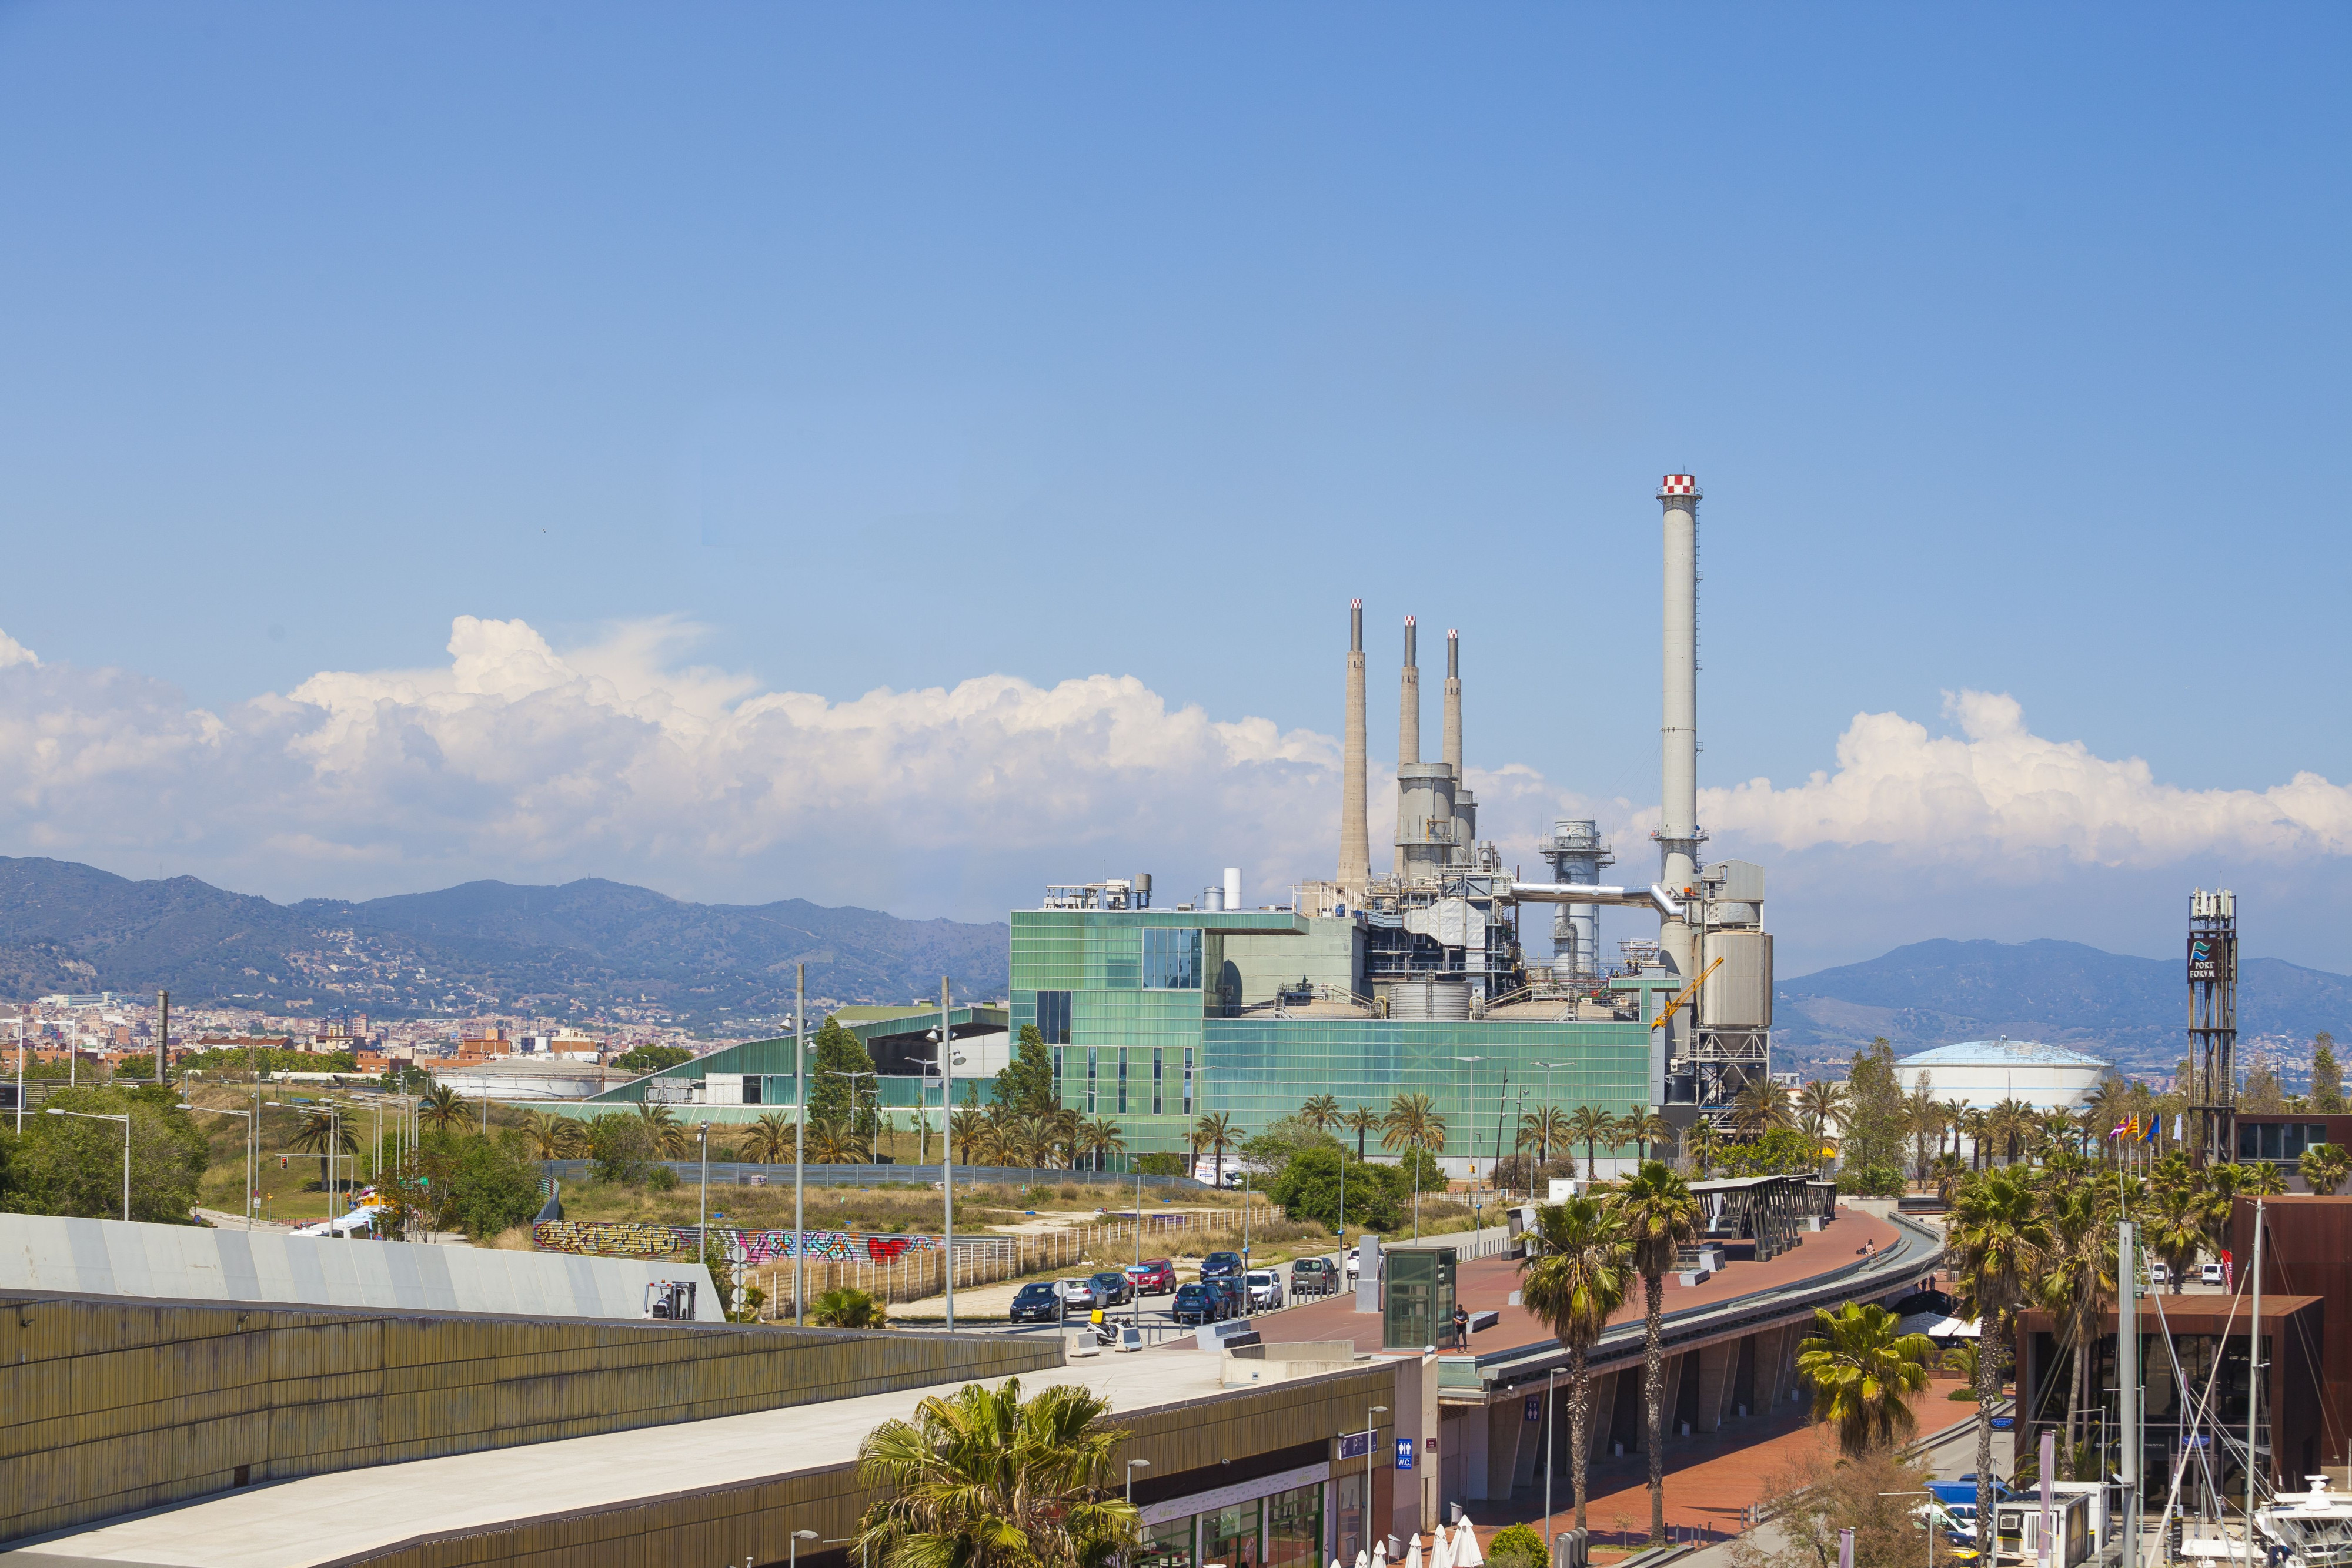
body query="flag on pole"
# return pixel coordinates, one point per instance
(2154, 1122)
(2229, 1272)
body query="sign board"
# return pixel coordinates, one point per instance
(1355, 1445)
(1404, 1453)
(1534, 1407)
(2209, 958)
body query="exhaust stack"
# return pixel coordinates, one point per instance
(1355, 832)
(1678, 835)
(1453, 742)
(1408, 702)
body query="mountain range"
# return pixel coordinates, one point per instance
(2130, 1011)
(483, 947)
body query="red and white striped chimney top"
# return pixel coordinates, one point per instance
(1678, 485)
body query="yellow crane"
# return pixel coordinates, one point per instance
(1688, 991)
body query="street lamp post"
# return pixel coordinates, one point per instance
(702, 1222)
(247, 1115)
(1133, 1466)
(95, 1117)
(1371, 1443)
(792, 1555)
(800, 1141)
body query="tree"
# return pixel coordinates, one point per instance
(983, 1478)
(1862, 1366)
(1761, 1106)
(2175, 1224)
(769, 1140)
(1924, 1119)
(834, 1094)
(2078, 1280)
(2326, 1076)
(1321, 1112)
(1572, 1283)
(1360, 1121)
(1819, 1107)
(1545, 1127)
(1308, 1188)
(72, 1166)
(1784, 1151)
(1876, 1121)
(1645, 1129)
(2265, 1178)
(1656, 1214)
(1219, 1132)
(552, 1137)
(1099, 1137)
(1997, 1230)
(620, 1148)
(2263, 1091)
(1589, 1125)
(646, 1058)
(836, 1143)
(2325, 1167)
(849, 1308)
(665, 1135)
(1026, 1082)
(321, 1130)
(485, 1185)
(1413, 1123)
(441, 1108)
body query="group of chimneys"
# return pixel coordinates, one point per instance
(1355, 835)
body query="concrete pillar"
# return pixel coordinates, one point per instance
(1532, 1444)
(1716, 1363)
(1672, 1398)
(1506, 1437)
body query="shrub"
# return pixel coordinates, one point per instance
(849, 1309)
(1873, 1181)
(1518, 1546)
(1161, 1165)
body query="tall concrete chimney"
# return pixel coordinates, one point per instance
(1452, 757)
(1408, 702)
(1355, 833)
(1678, 835)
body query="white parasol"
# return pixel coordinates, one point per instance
(1465, 1546)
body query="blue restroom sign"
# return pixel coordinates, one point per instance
(1404, 1453)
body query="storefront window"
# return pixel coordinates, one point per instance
(1230, 1536)
(1166, 1545)
(1293, 1528)
(1349, 1505)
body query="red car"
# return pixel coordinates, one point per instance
(1156, 1277)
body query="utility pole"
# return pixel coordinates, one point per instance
(947, 1142)
(163, 1035)
(2127, 1388)
(800, 1141)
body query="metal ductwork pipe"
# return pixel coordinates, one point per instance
(1662, 899)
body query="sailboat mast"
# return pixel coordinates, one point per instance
(2253, 1376)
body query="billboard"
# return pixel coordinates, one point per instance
(2211, 957)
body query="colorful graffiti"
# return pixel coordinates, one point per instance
(623, 1238)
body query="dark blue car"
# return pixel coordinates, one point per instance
(1221, 1266)
(1196, 1304)
(1036, 1303)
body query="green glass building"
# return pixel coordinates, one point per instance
(1158, 1018)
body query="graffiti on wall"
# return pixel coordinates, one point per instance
(628, 1238)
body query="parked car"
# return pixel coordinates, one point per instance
(1036, 1303)
(2156, 1272)
(1355, 1258)
(1081, 1294)
(1221, 1266)
(1152, 1277)
(1314, 1276)
(2210, 1274)
(1265, 1289)
(1228, 1291)
(1113, 1286)
(1196, 1304)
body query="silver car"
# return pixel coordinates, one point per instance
(1265, 1289)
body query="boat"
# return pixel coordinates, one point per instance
(2313, 1527)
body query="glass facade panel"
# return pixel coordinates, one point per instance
(1054, 1017)
(1293, 1528)
(1156, 1069)
(1348, 1509)
(1171, 960)
(1168, 1545)
(1231, 1536)
(1094, 1072)
(1122, 1081)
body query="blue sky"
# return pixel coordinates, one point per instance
(837, 349)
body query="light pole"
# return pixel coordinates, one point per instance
(95, 1116)
(793, 1555)
(1371, 1444)
(20, 1077)
(800, 1142)
(1552, 1376)
(702, 1221)
(947, 1144)
(1133, 1466)
(185, 1105)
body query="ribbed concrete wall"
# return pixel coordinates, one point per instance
(109, 1406)
(188, 1264)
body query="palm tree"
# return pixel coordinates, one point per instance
(983, 1478)
(1363, 1119)
(1590, 1125)
(969, 1131)
(846, 1308)
(1099, 1137)
(2325, 1167)
(1656, 1214)
(1220, 1133)
(1414, 1125)
(2176, 1226)
(2266, 1178)
(669, 1139)
(835, 1141)
(1702, 1150)
(2078, 1281)
(1861, 1365)
(2001, 1236)
(441, 1108)
(1572, 1285)
(1954, 1112)
(1643, 1129)
(1946, 1171)
(1321, 1112)
(549, 1136)
(1924, 1113)
(320, 1130)
(1762, 1106)
(1062, 1131)
(1545, 1126)
(770, 1141)
(1819, 1107)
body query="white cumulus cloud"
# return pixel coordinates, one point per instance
(1998, 788)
